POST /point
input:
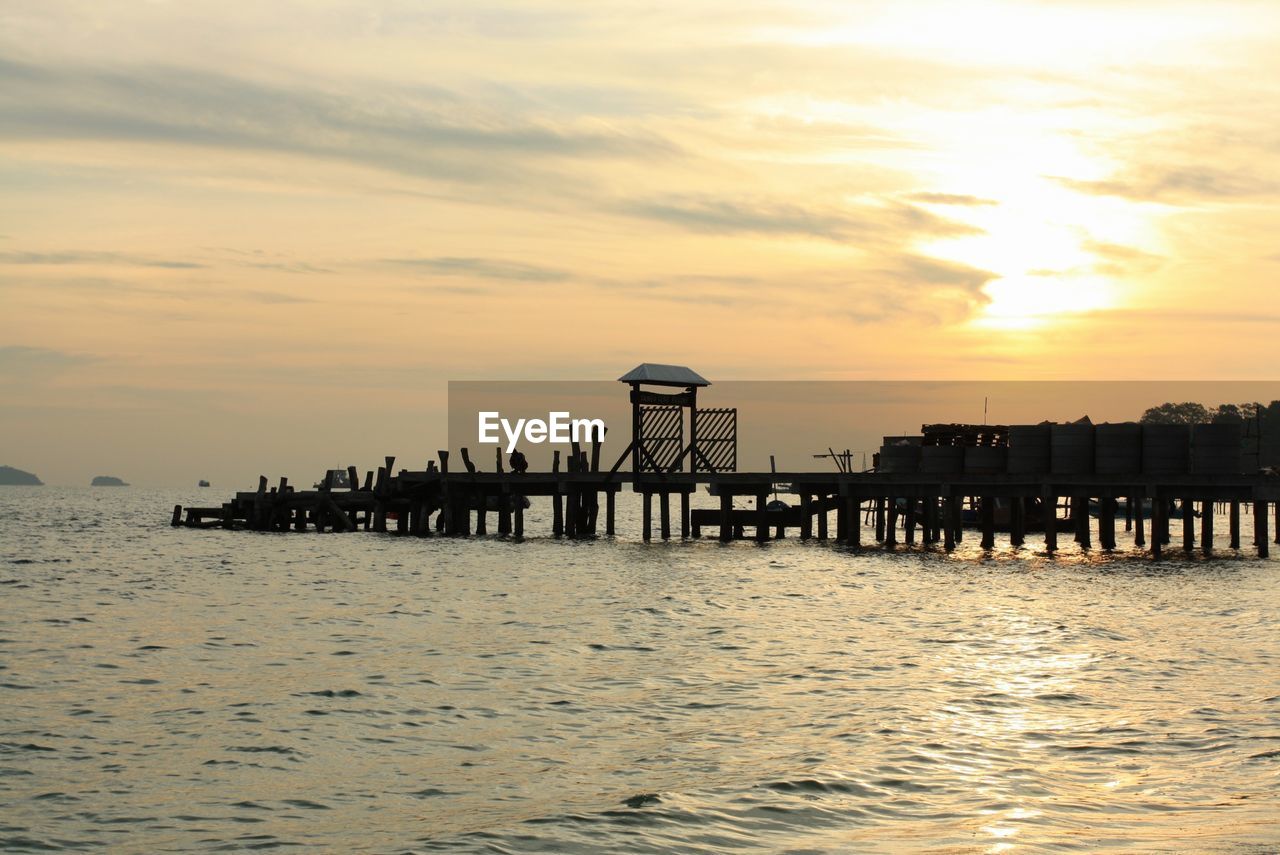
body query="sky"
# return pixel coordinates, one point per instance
(261, 237)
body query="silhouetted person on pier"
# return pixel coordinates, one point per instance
(519, 464)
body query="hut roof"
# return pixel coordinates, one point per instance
(654, 374)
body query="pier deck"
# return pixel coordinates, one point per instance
(914, 507)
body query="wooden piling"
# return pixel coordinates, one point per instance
(909, 522)
(647, 515)
(1233, 521)
(762, 517)
(684, 516)
(854, 534)
(822, 518)
(726, 517)
(891, 521)
(1188, 526)
(880, 519)
(609, 502)
(1017, 521)
(988, 509)
(1107, 522)
(806, 516)
(1206, 527)
(1159, 522)
(664, 514)
(1139, 533)
(1260, 528)
(518, 510)
(1049, 515)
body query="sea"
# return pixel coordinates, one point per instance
(178, 690)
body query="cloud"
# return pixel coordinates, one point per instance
(950, 199)
(1179, 184)
(20, 361)
(91, 257)
(481, 268)
(422, 131)
(756, 215)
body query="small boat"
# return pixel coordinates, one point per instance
(202, 483)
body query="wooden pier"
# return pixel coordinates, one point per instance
(925, 489)
(902, 509)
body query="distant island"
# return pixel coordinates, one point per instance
(107, 481)
(10, 477)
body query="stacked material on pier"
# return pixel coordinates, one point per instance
(1216, 450)
(942, 459)
(1071, 448)
(1118, 448)
(1029, 449)
(964, 435)
(985, 460)
(1166, 449)
(899, 454)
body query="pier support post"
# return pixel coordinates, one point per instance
(1107, 522)
(880, 519)
(1049, 516)
(1206, 527)
(806, 516)
(855, 521)
(957, 517)
(1188, 525)
(647, 516)
(684, 516)
(822, 518)
(726, 517)
(1277, 515)
(482, 516)
(1080, 513)
(519, 516)
(664, 513)
(1017, 521)
(891, 521)
(988, 522)
(505, 504)
(610, 501)
(842, 520)
(1159, 522)
(909, 523)
(1139, 534)
(1233, 520)
(950, 521)
(1260, 528)
(762, 517)
(572, 515)
(557, 514)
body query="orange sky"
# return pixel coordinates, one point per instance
(238, 238)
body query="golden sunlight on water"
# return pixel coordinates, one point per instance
(174, 690)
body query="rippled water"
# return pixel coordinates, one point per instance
(178, 690)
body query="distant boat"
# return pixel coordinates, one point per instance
(203, 483)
